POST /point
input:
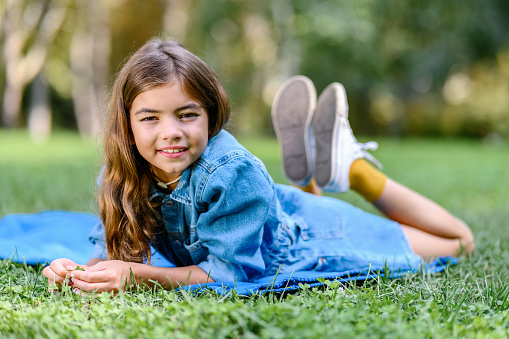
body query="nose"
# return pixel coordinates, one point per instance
(171, 130)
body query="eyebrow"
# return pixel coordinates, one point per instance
(183, 108)
(191, 105)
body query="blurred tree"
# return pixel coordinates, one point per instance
(237, 39)
(90, 57)
(28, 28)
(477, 99)
(388, 53)
(39, 118)
(399, 61)
(132, 23)
(176, 18)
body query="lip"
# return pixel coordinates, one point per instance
(177, 151)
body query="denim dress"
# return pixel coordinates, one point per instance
(228, 217)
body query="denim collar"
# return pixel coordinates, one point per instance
(180, 193)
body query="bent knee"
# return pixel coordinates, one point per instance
(429, 246)
(466, 240)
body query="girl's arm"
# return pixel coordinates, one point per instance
(236, 199)
(114, 275)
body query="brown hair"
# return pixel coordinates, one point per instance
(128, 216)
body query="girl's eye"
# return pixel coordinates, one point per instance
(149, 119)
(188, 115)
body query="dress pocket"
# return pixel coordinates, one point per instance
(332, 228)
(196, 250)
(193, 246)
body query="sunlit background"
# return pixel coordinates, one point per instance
(411, 68)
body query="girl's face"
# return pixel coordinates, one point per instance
(170, 129)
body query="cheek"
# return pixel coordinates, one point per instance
(206, 133)
(209, 127)
(138, 134)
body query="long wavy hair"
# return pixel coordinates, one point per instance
(128, 216)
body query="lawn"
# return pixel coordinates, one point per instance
(470, 299)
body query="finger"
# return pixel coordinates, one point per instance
(53, 286)
(48, 272)
(54, 281)
(100, 287)
(79, 292)
(91, 276)
(59, 266)
(52, 276)
(71, 268)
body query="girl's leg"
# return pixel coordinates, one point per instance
(340, 166)
(311, 187)
(431, 230)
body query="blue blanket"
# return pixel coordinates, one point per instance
(43, 237)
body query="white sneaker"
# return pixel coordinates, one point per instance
(292, 112)
(336, 146)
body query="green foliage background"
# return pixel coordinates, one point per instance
(409, 67)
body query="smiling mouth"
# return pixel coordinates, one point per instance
(175, 150)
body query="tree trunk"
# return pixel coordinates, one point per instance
(82, 87)
(90, 54)
(11, 104)
(39, 117)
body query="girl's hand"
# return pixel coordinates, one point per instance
(58, 270)
(105, 276)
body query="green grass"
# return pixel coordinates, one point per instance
(468, 300)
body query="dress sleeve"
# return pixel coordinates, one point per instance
(97, 238)
(237, 200)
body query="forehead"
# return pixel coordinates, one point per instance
(171, 94)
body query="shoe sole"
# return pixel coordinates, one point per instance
(292, 113)
(330, 108)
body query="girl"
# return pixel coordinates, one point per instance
(174, 179)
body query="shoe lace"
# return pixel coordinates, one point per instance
(369, 146)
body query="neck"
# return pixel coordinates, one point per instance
(166, 185)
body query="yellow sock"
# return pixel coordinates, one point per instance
(366, 180)
(312, 187)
